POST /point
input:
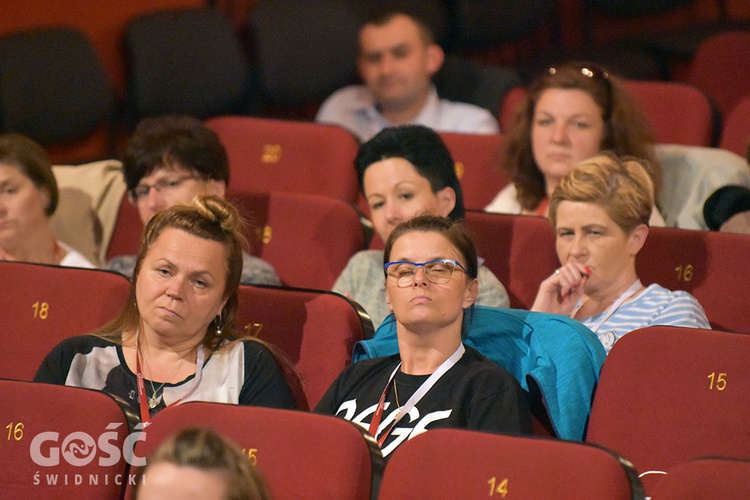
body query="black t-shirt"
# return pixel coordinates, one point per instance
(474, 394)
(241, 373)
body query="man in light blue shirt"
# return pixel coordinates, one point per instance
(398, 56)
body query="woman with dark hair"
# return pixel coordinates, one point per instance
(572, 112)
(28, 198)
(172, 159)
(435, 380)
(405, 171)
(175, 339)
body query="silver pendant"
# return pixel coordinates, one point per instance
(154, 401)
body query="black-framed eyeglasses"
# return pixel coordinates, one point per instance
(141, 191)
(437, 271)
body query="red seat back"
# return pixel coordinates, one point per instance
(277, 155)
(677, 112)
(126, 235)
(669, 394)
(61, 442)
(510, 106)
(455, 463)
(315, 329)
(300, 454)
(478, 158)
(710, 265)
(706, 478)
(519, 249)
(735, 136)
(44, 305)
(307, 238)
(721, 70)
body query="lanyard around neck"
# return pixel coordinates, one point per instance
(143, 399)
(414, 399)
(632, 290)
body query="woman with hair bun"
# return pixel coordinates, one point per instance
(175, 341)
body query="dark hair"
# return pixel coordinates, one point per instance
(382, 16)
(209, 451)
(167, 140)
(422, 147)
(454, 231)
(626, 131)
(725, 203)
(210, 218)
(30, 158)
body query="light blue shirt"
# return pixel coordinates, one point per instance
(655, 306)
(353, 108)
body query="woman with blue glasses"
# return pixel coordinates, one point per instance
(435, 380)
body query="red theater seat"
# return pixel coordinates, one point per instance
(667, 395)
(300, 454)
(279, 155)
(315, 329)
(62, 442)
(43, 305)
(455, 463)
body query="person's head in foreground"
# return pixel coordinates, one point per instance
(200, 463)
(572, 112)
(172, 159)
(405, 171)
(600, 212)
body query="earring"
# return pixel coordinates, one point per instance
(219, 323)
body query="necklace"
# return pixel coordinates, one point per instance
(155, 399)
(395, 393)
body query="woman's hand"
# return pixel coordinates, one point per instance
(560, 292)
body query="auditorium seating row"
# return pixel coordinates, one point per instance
(668, 398)
(310, 248)
(192, 60)
(315, 329)
(278, 155)
(520, 250)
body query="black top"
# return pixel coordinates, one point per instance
(241, 373)
(474, 394)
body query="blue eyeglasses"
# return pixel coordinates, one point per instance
(437, 271)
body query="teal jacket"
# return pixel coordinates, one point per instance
(559, 354)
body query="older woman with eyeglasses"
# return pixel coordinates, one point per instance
(572, 112)
(434, 381)
(170, 160)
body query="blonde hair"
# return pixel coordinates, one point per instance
(622, 186)
(209, 451)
